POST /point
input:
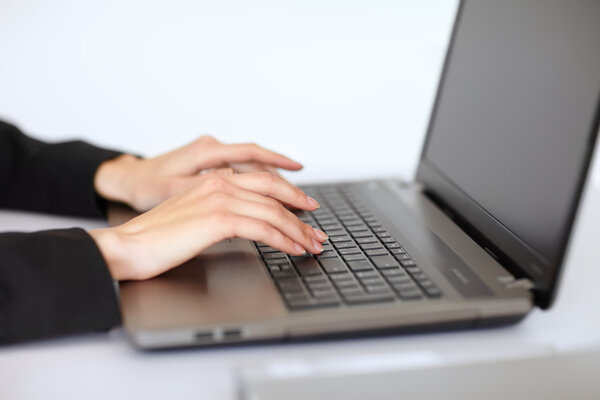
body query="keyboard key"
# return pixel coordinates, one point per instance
(402, 257)
(323, 292)
(367, 274)
(345, 245)
(378, 289)
(339, 239)
(277, 261)
(351, 291)
(368, 298)
(372, 281)
(398, 278)
(332, 226)
(376, 252)
(393, 271)
(319, 285)
(433, 292)
(306, 265)
(270, 256)
(290, 285)
(393, 245)
(299, 304)
(326, 220)
(268, 249)
(326, 301)
(350, 250)
(371, 246)
(341, 276)
(383, 234)
(367, 239)
(404, 286)
(413, 270)
(283, 274)
(410, 294)
(316, 278)
(408, 263)
(327, 254)
(360, 265)
(274, 268)
(387, 239)
(361, 234)
(420, 276)
(384, 262)
(357, 227)
(333, 265)
(354, 257)
(347, 284)
(286, 267)
(295, 296)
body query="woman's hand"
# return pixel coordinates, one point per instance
(220, 205)
(143, 184)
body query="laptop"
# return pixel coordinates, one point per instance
(477, 239)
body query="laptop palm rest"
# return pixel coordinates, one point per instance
(226, 284)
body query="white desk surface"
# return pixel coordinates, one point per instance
(106, 365)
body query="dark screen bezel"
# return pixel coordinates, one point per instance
(513, 253)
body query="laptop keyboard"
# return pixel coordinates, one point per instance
(361, 262)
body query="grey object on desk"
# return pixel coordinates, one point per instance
(477, 240)
(554, 377)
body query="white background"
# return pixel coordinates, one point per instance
(345, 87)
(351, 80)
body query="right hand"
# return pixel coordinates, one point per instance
(223, 205)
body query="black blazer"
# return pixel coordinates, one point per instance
(52, 282)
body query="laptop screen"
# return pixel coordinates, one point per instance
(514, 124)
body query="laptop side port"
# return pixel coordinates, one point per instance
(204, 336)
(232, 334)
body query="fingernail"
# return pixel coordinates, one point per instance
(321, 235)
(317, 246)
(313, 202)
(299, 248)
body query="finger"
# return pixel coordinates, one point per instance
(280, 218)
(255, 167)
(260, 231)
(180, 184)
(277, 188)
(240, 153)
(224, 171)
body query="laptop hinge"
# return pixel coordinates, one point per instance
(511, 283)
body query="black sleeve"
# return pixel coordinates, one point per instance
(53, 283)
(54, 178)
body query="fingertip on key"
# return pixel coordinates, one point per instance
(312, 202)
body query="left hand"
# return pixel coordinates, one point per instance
(145, 183)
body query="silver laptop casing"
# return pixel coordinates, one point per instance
(226, 295)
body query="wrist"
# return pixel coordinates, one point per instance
(113, 180)
(112, 247)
